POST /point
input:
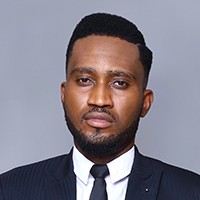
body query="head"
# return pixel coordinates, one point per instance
(105, 24)
(104, 96)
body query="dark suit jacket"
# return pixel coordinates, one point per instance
(54, 179)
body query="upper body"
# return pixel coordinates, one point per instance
(104, 96)
(54, 178)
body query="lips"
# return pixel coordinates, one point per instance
(98, 120)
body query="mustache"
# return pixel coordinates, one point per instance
(100, 110)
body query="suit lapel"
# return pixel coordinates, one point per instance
(62, 183)
(144, 179)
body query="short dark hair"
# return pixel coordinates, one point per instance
(105, 24)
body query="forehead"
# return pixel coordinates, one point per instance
(105, 53)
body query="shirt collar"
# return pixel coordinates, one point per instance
(124, 165)
(120, 167)
(82, 165)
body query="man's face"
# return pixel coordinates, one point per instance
(103, 96)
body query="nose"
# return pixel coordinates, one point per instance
(100, 96)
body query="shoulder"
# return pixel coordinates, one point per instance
(170, 182)
(33, 180)
(172, 169)
(173, 176)
(29, 181)
(33, 171)
(153, 164)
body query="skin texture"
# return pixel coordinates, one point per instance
(104, 94)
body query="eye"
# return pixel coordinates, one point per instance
(83, 81)
(120, 84)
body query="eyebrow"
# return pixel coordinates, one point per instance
(90, 70)
(121, 74)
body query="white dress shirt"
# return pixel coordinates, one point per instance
(116, 182)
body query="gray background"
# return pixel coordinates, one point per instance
(33, 38)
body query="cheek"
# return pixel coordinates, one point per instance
(128, 109)
(74, 103)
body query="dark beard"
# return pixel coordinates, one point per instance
(103, 146)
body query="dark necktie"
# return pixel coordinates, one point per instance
(99, 172)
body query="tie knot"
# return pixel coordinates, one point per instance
(99, 171)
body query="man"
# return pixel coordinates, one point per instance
(104, 97)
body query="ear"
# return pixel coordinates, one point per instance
(62, 90)
(147, 102)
